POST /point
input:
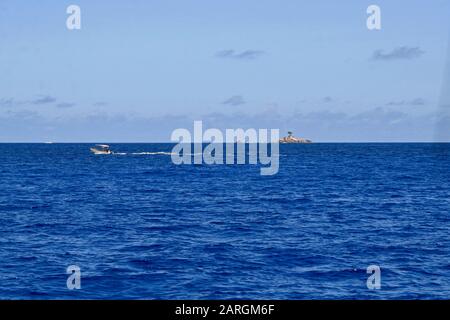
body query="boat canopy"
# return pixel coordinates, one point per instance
(102, 146)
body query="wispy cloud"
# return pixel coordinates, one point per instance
(243, 55)
(65, 105)
(418, 102)
(378, 124)
(100, 104)
(400, 53)
(7, 102)
(413, 102)
(43, 100)
(327, 99)
(234, 100)
(37, 101)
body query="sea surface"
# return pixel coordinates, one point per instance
(140, 227)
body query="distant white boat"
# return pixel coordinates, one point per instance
(101, 149)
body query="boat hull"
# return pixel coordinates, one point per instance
(96, 151)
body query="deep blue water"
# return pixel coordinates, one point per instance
(141, 227)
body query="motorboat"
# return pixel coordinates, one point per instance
(101, 149)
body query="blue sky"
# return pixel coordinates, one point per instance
(139, 69)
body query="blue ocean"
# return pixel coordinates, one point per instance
(140, 227)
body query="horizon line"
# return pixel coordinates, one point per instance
(173, 142)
